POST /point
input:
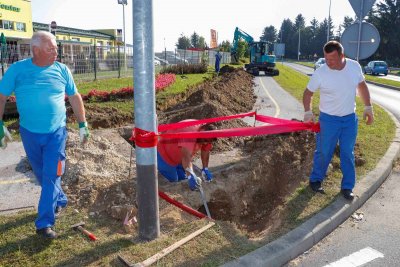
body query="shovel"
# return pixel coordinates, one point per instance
(202, 195)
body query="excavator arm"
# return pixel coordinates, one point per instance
(239, 34)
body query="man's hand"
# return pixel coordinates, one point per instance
(206, 174)
(84, 133)
(308, 116)
(194, 182)
(368, 114)
(4, 135)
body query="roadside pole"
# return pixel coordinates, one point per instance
(145, 119)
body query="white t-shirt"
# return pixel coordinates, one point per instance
(338, 88)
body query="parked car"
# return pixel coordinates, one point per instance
(319, 63)
(157, 62)
(376, 68)
(163, 62)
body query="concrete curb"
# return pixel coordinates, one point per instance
(384, 85)
(301, 239)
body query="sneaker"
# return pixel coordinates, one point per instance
(347, 194)
(47, 233)
(58, 211)
(316, 187)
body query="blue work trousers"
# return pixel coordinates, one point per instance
(46, 154)
(171, 173)
(336, 129)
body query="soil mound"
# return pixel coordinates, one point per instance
(231, 94)
(102, 118)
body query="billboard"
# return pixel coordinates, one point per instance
(214, 39)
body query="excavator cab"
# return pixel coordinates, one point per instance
(261, 57)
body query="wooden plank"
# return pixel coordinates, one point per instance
(167, 250)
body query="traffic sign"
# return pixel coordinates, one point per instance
(362, 7)
(369, 40)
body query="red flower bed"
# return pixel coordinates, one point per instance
(162, 81)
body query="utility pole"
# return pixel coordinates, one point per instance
(298, 48)
(329, 19)
(145, 120)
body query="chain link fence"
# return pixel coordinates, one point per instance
(92, 62)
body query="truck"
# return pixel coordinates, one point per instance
(261, 57)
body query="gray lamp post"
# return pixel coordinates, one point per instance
(123, 3)
(298, 47)
(329, 19)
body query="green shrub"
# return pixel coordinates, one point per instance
(185, 68)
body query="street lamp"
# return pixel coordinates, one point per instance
(298, 47)
(123, 3)
(329, 19)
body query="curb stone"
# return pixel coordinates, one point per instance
(301, 239)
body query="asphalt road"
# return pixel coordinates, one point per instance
(376, 236)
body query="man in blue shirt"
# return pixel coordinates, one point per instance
(40, 84)
(218, 58)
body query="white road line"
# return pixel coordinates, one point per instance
(277, 108)
(15, 181)
(357, 258)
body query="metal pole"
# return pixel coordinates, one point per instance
(329, 19)
(359, 30)
(145, 119)
(298, 48)
(123, 16)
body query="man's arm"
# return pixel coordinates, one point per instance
(307, 101)
(364, 93)
(77, 106)
(205, 158)
(186, 159)
(366, 98)
(3, 100)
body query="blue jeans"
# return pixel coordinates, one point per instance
(46, 154)
(172, 173)
(336, 129)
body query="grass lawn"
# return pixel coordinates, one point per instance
(19, 245)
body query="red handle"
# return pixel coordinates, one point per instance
(92, 237)
(89, 234)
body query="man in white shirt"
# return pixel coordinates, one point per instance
(338, 80)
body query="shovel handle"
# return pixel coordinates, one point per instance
(87, 233)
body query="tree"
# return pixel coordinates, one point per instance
(202, 43)
(183, 42)
(225, 46)
(194, 40)
(386, 18)
(347, 21)
(269, 34)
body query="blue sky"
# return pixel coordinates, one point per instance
(175, 17)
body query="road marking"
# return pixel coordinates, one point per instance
(357, 258)
(277, 108)
(15, 181)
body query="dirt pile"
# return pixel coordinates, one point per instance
(102, 118)
(231, 94)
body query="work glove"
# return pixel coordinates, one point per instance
(194, 182)
(4, 135)
(206, 174)
(368, 114)
(308, 116)
(83, 132)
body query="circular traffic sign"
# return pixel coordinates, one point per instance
(53, 25)
(369, 41)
